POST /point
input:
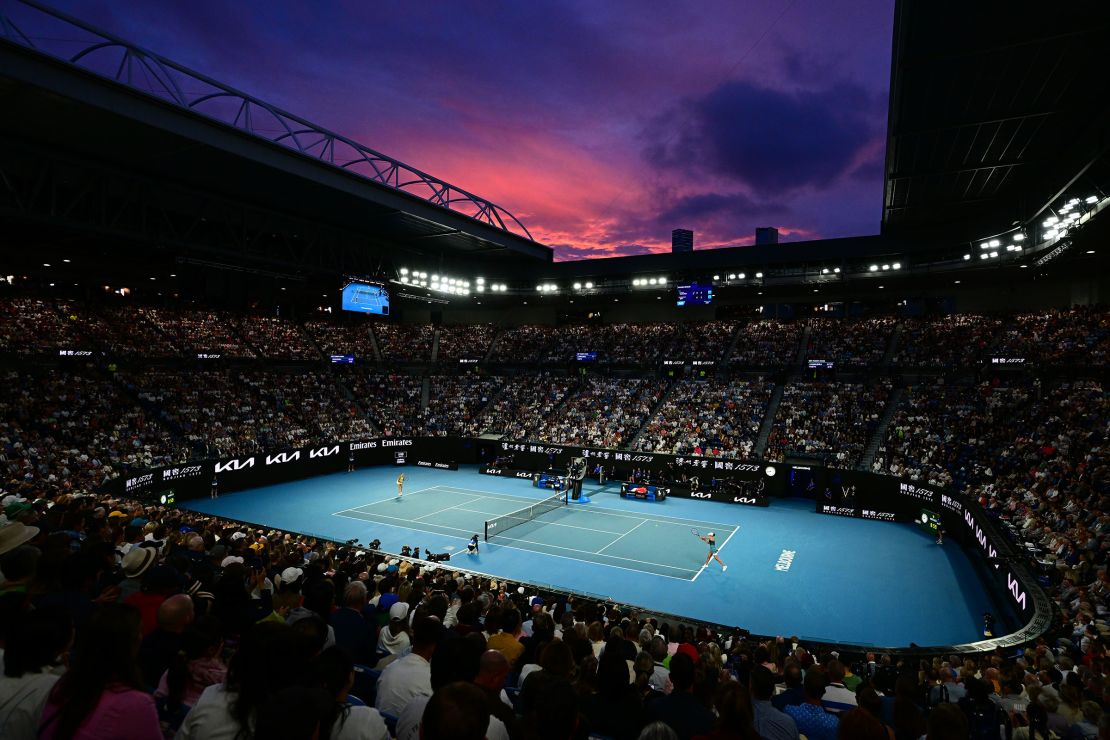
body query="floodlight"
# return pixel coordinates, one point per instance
(404, 271)
(995, 243)
(994, 254)
(897, 266)
(759, 274)
(578, 286)
(1091, 199)
(663, 281)
(653, 281)
(480, 288)
(886, 267)
(873, 268)
(836, 270)
(1019, 237)
(716, 277)
(967, 256)
(742, 276)
(589, 285)
(984, 245)
(539, 288)
(732, 276)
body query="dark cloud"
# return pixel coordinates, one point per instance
(773, 141)
(702, 206)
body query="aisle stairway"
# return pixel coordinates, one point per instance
(768, 421)
(872, 449)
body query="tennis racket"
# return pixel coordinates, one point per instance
(696, 532)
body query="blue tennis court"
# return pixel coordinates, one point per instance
(648, 542)
(789, 570)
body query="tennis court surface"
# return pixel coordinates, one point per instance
(649, 543)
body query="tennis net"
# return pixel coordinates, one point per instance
(505, 522)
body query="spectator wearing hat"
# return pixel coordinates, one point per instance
(102, 694)
(410, 676)
(15, 534)
(158, 583)
(394, 638)
(135, 564)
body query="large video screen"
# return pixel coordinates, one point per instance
(366, 298)
(695, 294)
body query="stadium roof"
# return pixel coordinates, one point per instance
(996, 110)
(80, 95)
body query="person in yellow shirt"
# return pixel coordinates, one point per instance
(400, 484)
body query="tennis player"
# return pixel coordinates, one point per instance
(400, 484)
(711, 540)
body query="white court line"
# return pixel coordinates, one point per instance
(722, 547)
(552, 554)
(533, 542)
(622, 536)
(456, 506)
(386, 501)
(614, 513)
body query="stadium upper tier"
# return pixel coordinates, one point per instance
(1078, 337)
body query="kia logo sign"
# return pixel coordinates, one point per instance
(283, 457)
(700, 494)
(232, 465)
(323, 451)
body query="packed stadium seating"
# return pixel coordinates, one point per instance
(1031, 446)
(708, 417)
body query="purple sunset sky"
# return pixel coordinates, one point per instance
(600, 125)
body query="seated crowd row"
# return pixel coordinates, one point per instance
(1048, 338)
(134, 621)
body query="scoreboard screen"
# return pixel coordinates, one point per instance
(694, 294)
(366, 298)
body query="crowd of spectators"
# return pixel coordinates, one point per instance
(464, 341)
(952, 434)
(767, 343)
(523, 404)
(393, 401)
(524, 344)
(1078, 337)
(64, 430)
(704, 340)
(850, 344)
(957, 341)
(1073, 337)
(277, 338)
(404, 342)
(342, 338)
(708, 417)
(125, 620)
(602, 412)
(31, 324)
(455, 403)
(198, 331)
(833, 420)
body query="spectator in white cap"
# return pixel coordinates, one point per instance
(394, 638)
